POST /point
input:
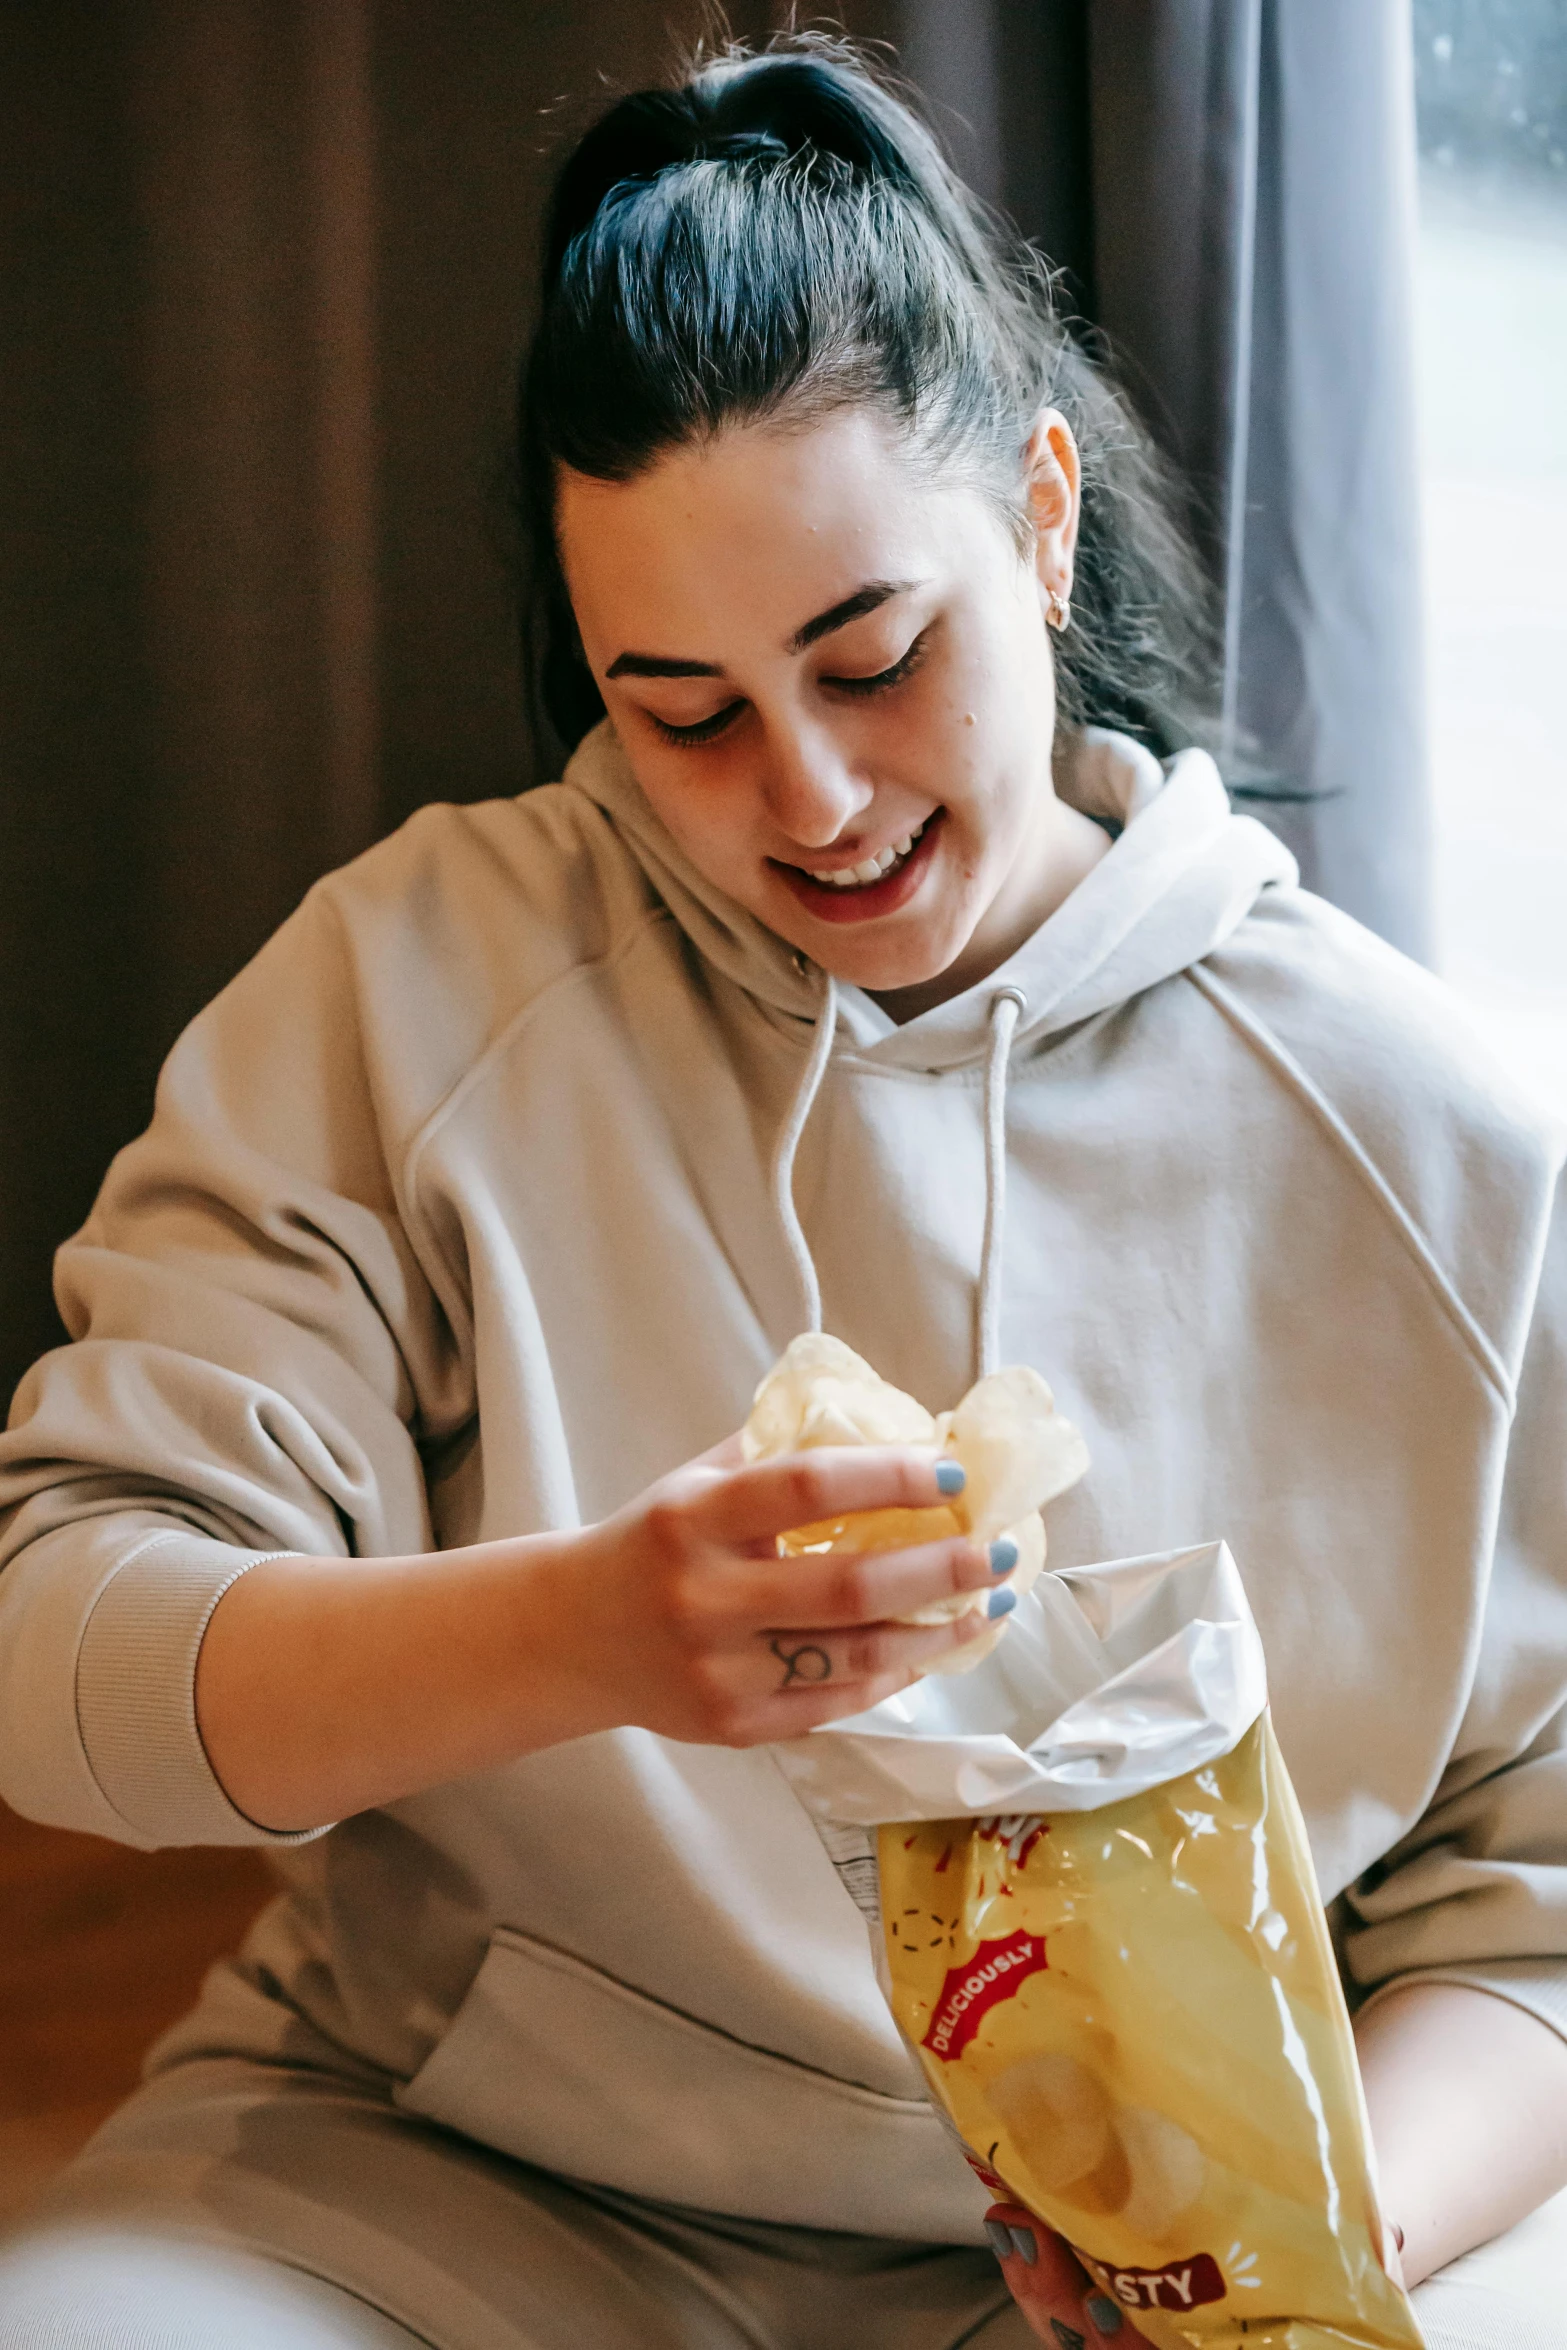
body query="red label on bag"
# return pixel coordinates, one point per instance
(1183, 2284)
(996, 1971)
(987, 2177)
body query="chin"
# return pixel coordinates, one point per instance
(882, 966)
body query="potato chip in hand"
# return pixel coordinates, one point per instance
(1016, 1450)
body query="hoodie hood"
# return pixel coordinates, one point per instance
(1181, 876)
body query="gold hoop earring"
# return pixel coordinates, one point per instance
(1059, 611)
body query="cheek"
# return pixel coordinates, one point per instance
(704, 802)
(1003, 756)
(1003, 670)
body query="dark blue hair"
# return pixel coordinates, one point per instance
(778, 236)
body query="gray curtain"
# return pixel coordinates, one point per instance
(266, 261)
(1253, 205)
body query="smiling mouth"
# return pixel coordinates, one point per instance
(879, 885)
(866, 874)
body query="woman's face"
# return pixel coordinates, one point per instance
(832, 678)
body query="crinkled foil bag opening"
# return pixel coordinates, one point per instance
(1096, 1919)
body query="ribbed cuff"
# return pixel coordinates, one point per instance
(1538, 1985)
(135, 1693)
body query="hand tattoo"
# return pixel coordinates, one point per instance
(805, 1663)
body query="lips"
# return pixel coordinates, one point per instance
(877, 885)
(873, 868)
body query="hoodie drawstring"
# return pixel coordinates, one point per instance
(809, 1087)
(1005, 1007)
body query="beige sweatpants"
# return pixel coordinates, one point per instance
(264, 2208)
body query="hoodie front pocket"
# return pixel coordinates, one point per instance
(559, 2064)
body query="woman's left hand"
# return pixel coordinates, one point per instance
(1057, 2296)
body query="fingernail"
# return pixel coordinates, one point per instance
(1023, 2243)
(1003, 1556)
(1105, 2313)
(1002, 1602)
(951, 1477)
(1000, 2238)
(1067, 2337)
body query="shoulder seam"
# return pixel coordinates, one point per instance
(1268, 1046)
(406, 1178)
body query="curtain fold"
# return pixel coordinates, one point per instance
(1253, 208)
(1330, 684)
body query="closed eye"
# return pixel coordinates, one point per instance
(883, 678)
(705, 730)
(708, 730)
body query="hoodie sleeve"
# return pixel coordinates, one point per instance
(1476, 1892)
(257, 1348)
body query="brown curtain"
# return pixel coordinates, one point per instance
(267, 264)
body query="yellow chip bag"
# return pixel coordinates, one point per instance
(1096, 1920)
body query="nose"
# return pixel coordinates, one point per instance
(811, 790)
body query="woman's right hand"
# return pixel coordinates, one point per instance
(327, 1685)
(678, 1615)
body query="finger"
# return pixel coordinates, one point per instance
(1049, 2284)
(812, 1659)
(872, 1586)
(792, 1713)
(801, 1488)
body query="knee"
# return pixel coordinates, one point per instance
(98, 2288)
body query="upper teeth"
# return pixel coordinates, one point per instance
(856, 876)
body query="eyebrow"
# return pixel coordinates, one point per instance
(868, 598)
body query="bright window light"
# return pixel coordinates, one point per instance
(1492, 343)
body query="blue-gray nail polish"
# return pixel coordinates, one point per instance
(1067, 2337)
(1003, 1556)
(1027, 2249)
(951, 1477)
(1105, 2313)
(1002, 1602)
(1000, 2238)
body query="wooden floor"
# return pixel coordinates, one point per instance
(99, 1949)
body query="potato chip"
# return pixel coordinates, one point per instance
(1015, 1447)
(1016, 1451)
(1056, 2104)
(821, 1392)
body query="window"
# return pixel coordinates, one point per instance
(1491, 81)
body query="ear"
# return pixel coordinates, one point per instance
(1052, 485)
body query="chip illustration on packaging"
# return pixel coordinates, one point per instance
(1015, 1449)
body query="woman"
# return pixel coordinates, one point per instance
(490, 1189)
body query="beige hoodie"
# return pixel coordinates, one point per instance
(457, 1218)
